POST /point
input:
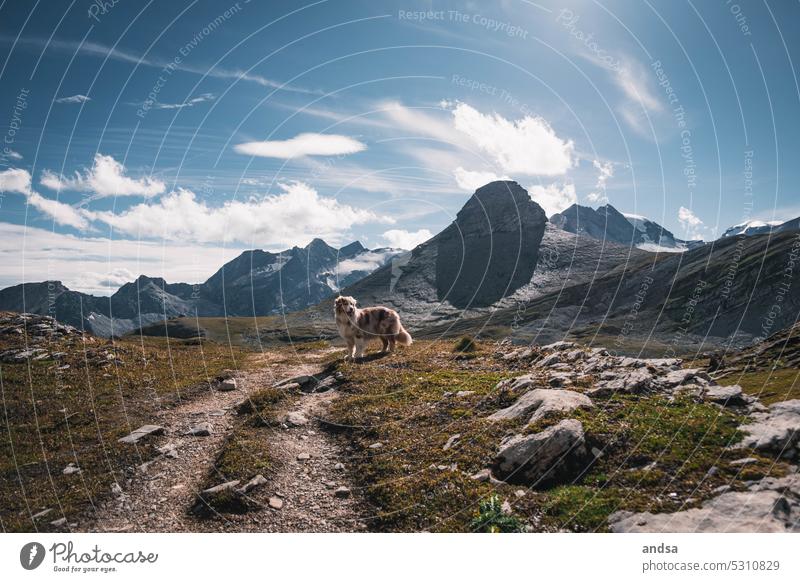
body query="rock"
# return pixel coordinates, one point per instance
(42, 513)
(227, 385)
(743, 462)
(169, 450)
(451, 441)
(325, 384)
(301, 381)
(481, 476)
(559, 346)
(376, 446)
(560, 380)
(339, 467)
(253, 483)
(464, 393)
(634, 382)
(142, 432)
(70, 469)
(516, 384)
(295, 419)
(549, 360)
(222, 487)
(555, 455)
(201, 430)
(303, 457)
(275, 502)
(542, 402)
(725, 395)
(342, 492)
(678, 377)
(116, 489)
(772, 505)
(59, 522)
(776, 431)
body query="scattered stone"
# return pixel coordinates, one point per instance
(743, 462)
(464, 393)
(253, 483)
(227, 385)
(772, 505)
(169, 450)
(342, 492)
(375, 446)
(142, 432)
(516, 384)
(295, 419)
(275, 502)
(42, 513)
(303, 457)
(59, 522)
(201, 430)
(227, 486)
(635, 382)
(451, 441)
(542, 402)
(71, 469)
(549, 457)
(481, 476)
(339, 467)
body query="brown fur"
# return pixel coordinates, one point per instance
(358, 326)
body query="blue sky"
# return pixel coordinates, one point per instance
(162, 138)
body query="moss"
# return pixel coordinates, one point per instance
(465, 344)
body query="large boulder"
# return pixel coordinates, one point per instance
(624, 382)
(772, 505)
(776, 431)
(553, 456)
(542, 402)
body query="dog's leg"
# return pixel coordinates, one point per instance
(351, 345)
(385, 343)
(391, 343)
(359, 348)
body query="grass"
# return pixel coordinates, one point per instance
(769, 386)
(74, 409)
(656, 454)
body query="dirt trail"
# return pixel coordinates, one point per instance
(159, 495)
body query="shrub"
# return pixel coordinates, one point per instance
(491, 519)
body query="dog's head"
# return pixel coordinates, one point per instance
(345, 305)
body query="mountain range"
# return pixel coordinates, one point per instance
(500, 264)
(255, 283)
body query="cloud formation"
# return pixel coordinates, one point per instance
(18, 181)
(527, 146)
(105, 178)
(554, 197)
(292, 217)
(73, 99)
(605, 171)
(404, 239)
(471, 181)
(304, 144)
(691, 223)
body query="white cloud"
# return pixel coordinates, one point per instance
(190, 103)
(18, 181)
(471, 181)
(15, 180)
(304, 144)
(368, 261)
(633, 80)
(416, 121)
(73, 99)
(105, 178)
(10, 154)
(526, 146)
(404, 239)
(605, 171)
(295, 216)
(99, 265)
(553, 198)
(690, 222)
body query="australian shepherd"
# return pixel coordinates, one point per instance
(358, 326)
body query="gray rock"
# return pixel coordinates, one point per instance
(542, 402)
(773, 505)
(464, 393)
(634, 382)
(169, 450)
(517, 384)
(275, 502)
(227, 486)
(743, 462)
(71, 469)
(776, 431)
(555, 455)
(142, 432)
(481, 476)
(342, 492)
(303, 457)
(725, 395)
(559, 346)
(201, 430)
(678, 377)
(227, 385)
(59, 522)
(42, 513)
(375, 446)
(549, 360)
(295, 419)
(253, 483)
(451, 441)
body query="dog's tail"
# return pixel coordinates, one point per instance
(403, 337)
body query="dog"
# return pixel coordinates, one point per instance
(358, 326)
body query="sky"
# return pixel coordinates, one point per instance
(165, 138)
